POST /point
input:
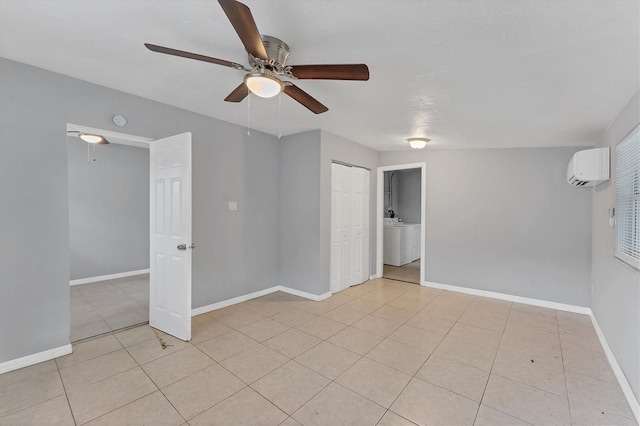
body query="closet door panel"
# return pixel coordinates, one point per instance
(336, 227)
(346, 228)
(357, 223)
(365, 225)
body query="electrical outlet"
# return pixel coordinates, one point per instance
(233, 206)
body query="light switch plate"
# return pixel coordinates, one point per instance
(233, 205)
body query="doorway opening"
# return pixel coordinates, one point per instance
(401, 222)
(108, 231)
(128, 198)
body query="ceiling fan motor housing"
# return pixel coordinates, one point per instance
(277, 50)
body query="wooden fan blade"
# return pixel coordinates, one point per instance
(305, 99)
(189, 55)
(242, 20)
(331, 72)
(238, 94)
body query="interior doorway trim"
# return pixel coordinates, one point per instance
(380, 215)
(112, 137)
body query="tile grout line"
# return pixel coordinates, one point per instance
(426, 360)
(246, 385)
(564, 373)
(154, 383)
(133, 368)
(331, 381)
(66, 395)
(493, 363)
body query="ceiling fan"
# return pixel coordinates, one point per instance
(268, 63)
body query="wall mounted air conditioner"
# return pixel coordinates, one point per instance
(589, 167)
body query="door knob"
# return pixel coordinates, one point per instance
(184, 246)
(192, 246)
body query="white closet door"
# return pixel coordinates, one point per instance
(336, 227)
(365, 225)
(357, 223)
(349, 260)
(345, 278)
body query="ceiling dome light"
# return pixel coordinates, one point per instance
(263, 83)
(91, 138)
(418, 143)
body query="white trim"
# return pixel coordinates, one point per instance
(380, 207)
(36, 358)
(617, 370)
(629, 260)
(314, 297)
(375, 276)
(519, 299)
(244, 298)
(234, 301)
(81, 281)
(113, 137)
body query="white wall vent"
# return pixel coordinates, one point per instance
(589, 167)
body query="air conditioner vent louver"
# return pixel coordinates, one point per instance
(577, 182)
(589, 167)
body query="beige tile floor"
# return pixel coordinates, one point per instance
(382, 353)
(106, 306)
(409, 272)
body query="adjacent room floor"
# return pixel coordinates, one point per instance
(105, 306)
(409, 272)
(381, 353)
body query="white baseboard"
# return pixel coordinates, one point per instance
(503, 296)
(617, 370)
(375, 276)
(36, 358)
(234, 301)
(108, 277)
(311, 296)
(244, 298)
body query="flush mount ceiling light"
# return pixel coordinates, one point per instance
(418, 143)
(263, 83)
(93, 138)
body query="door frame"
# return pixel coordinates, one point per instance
(380, 215)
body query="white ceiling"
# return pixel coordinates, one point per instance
(473, 73)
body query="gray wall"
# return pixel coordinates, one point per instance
(336, 148)
(305, 202)
(615, 296)
(300, 212)
(408, 194)
(505, 220)
(108, 209)
(235, 252)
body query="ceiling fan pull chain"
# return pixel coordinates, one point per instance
(89, 145)
(280, 115)
(249, 114)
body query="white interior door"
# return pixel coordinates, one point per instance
(345, 277)
(366, 187)
(357, 224)
(336, 227)
(170, 263)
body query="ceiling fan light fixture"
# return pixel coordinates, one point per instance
(263, 83)
(418, 143)
(93, 138)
